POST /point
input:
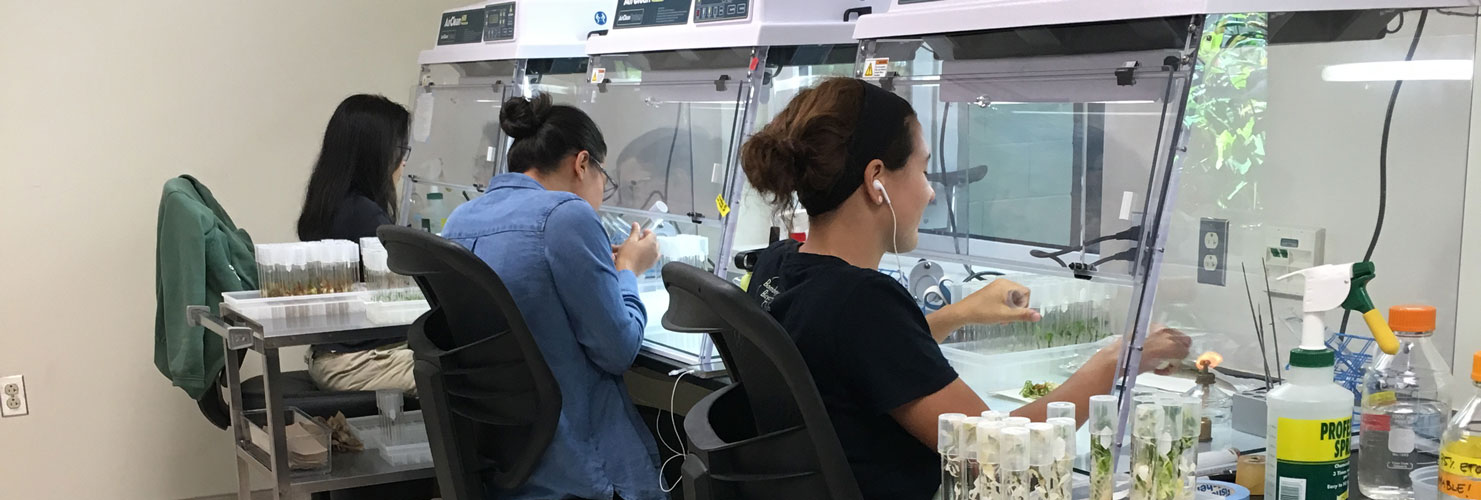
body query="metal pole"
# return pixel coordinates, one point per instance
(273, 402)
(1154, 236)
(239, 434)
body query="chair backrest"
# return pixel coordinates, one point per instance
(790, 444)
(489, 400)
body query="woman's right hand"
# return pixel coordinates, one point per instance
(638, 253)
(999, 302)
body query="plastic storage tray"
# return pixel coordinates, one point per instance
(383, 308)
(990, 374)
(408, 445)
(298, 312)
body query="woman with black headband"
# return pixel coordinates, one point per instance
(854, 156)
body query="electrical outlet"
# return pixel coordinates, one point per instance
(1213, 251)
(13, 392)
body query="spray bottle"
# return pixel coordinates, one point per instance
(1309, 417)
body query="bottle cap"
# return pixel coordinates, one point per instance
(1041, 444)
(1013, 448)
(434, 195)
(1412, 318)
(988, 440)
(948, 428)
(1312, 358)
(967, 437)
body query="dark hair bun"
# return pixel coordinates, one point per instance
(776, 163)
(523, 117)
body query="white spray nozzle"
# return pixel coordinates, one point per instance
(1326, 287)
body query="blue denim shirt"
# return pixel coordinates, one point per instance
(551, 252)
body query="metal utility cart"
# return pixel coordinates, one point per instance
(348, 470)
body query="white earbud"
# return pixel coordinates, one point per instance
(894, 225)
(880, 186)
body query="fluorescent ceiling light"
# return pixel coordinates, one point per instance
(1436, 69)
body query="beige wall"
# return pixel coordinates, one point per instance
(100, 103)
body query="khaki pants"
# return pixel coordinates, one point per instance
(387, 367)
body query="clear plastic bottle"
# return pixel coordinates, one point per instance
(1460, 457)
(1404, 408)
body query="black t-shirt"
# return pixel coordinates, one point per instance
(356, 217)
(870, 351)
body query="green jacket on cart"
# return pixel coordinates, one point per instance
(199, 255)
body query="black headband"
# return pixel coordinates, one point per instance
(881, 116)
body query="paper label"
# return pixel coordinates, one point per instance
(1376, 422)
(598, 75)
(421, 120)
(1460, 465)
(1460, 476)
(1384, 398)
(877, 67)
(1314, 452)
(1458, 486)
(720, 205)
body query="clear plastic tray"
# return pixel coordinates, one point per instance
(407, 445)
(385, 307)
(298, 312)
(990, 374)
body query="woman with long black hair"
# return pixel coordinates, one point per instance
(351, 192)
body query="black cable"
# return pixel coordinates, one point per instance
(956, 242)
(1388, 119)
(981, 274)
(668, 168)
(1398, 28)
(689, 124)
(735, 129)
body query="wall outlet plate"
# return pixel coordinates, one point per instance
(13, 396)
(1213, 251)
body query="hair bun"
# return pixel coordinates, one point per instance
(776, 164)
(523, 117)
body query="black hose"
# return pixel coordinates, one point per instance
(1388, 119)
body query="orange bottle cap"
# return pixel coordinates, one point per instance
(1476, 367)
(1412, 318)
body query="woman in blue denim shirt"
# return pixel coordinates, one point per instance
(537, 227)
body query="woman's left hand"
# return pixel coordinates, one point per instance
(1001, 301)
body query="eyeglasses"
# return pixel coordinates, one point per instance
(611, 187)
(405, 152)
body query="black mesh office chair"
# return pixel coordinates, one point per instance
(767, 435)
(489, 400)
